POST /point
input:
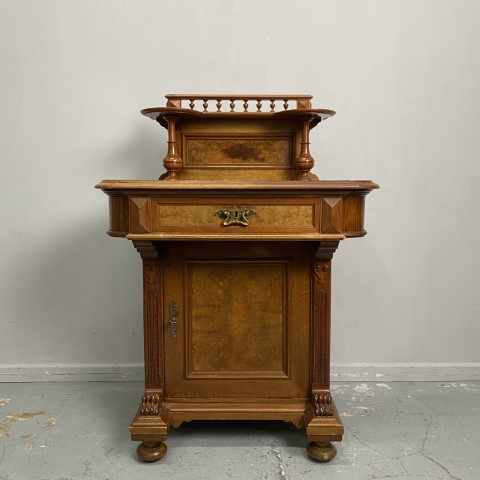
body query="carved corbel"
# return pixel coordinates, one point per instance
(151, 404)
(322, 404)
(147, 249)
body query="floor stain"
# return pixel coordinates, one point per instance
(363, 388)
(29, 446)
(4, 401)
(384, 385)
(29, 435)
(49, 423)
(4, 429)
(20, 417)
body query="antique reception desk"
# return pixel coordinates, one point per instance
(236, 239)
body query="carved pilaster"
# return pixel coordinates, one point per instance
(153, 317)
(320, 327)
(321, 291)
(153, 373)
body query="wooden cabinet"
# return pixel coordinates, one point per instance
(236, 240)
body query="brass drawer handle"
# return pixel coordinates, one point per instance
(235, 217)
(173, 318)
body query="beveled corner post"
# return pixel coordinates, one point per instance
(322, 421)
(148, 426)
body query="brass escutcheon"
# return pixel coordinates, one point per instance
(173, 318)
(236, 216)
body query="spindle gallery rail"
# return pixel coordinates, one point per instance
(301, 102)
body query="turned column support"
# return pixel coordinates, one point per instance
(304, 161)
(172, 162)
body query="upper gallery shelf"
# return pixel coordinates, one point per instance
(250, 105)
(238, 137)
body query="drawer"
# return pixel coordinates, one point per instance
(224, 216)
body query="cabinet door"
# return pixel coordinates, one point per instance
(242, 320)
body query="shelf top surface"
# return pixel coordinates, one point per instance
(165, 185)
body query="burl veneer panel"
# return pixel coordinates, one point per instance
(237, 317)
(237, 151)
(188, 215)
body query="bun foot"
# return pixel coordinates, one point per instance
(321, 452)
(151, 451)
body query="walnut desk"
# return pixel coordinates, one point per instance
(236, 240)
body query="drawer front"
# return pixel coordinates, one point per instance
(213, 215)
(228, 215)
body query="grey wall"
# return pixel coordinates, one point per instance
(404, 79)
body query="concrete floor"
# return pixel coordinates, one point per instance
(418, 430)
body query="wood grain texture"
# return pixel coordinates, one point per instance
(205, 215)
(321, 295)
(332, 214)
(281, 188)
(235, 326)
(152, 315)
(235, 148)
(140, 217)
(304, 213)
(118, 215)
(238, 151)
(353, 215)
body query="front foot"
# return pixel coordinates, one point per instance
(151, 451)
(321, 452)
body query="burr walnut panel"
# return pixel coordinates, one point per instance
(237, 151)
(236, 318)
(237, 148)
(185, 215)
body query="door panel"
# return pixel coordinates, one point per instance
(243, 319)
